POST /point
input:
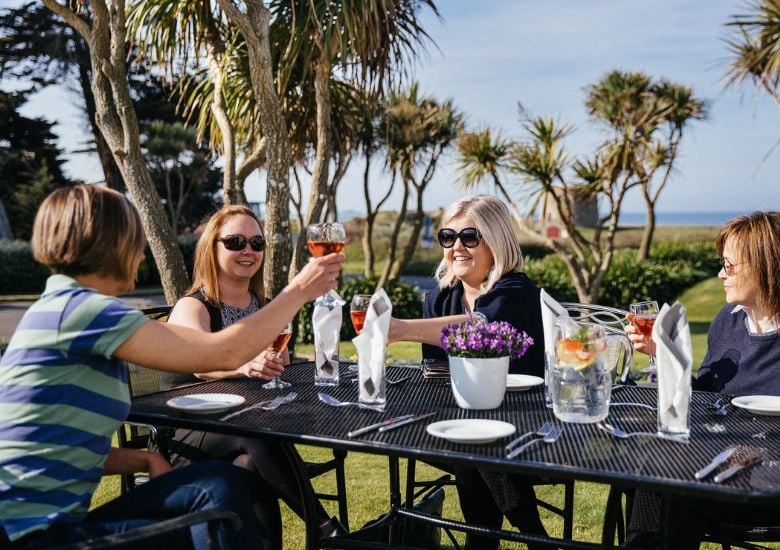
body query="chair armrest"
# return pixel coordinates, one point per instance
(139, 534)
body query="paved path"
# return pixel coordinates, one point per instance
(11, 312)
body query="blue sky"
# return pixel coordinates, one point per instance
(491, 55)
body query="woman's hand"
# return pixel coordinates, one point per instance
(267, 365)
(642, 344)
(318, 276)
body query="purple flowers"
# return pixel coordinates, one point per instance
(478, 339)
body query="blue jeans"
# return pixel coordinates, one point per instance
(201, 486)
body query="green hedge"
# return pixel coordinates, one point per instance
(20, 273)
(406, 300)
(673, 267)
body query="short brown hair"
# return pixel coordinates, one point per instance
(205, 275)
(84, 229)
(756, 239)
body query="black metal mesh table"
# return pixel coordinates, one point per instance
(583, 452)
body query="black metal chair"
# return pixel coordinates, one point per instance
(730, 535)
(143, 380)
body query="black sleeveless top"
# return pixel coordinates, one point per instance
(170, 380)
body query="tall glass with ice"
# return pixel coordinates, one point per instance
(580, 377)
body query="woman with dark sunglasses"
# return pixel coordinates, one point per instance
(481, 273)
(228, 286)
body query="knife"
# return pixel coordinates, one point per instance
(372, 427)
(743, 462)
(719, 459)
(406, 421)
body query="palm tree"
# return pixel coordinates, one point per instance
(755, 50)
(484, 155)
(103, 28)
(637, 110)
(416, 132)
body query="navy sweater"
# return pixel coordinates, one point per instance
(737, 362)
(514, 299)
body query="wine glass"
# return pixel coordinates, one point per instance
(357, 310)
(642, 315)
(323, 239)
(278, 347)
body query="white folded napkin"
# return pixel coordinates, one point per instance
(326, 323)
(674, 358)
(371, 347)
(551, 311)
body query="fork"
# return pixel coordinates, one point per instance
(551, 437)
(541, 432)
(267, 405)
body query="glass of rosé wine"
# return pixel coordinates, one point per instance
(642, 315)
(323, 239)
(357, 310)
(278, 347)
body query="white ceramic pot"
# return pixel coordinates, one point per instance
(478, 383)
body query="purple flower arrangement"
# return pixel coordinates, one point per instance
(475, 338)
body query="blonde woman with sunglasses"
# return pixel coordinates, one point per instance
(481, 273)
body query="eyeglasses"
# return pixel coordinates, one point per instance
(238, 242)
(469, 236)
(728, 267)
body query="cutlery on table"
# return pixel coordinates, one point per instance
(390, 423)
(744, 457)
(267, 405)
(542, 431)
(620, 433)
(552, 436)
(332, 401)
(632, 404)
(719, 459)
(400, 423)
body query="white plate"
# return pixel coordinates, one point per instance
(470, 430)
(521, 382)
(206, 403)
(759, 404)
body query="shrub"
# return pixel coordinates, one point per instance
(407, 304)
(19, 272)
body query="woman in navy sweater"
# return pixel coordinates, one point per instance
(743, 358)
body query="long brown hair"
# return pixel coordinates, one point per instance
(756, 241)
(205, 276)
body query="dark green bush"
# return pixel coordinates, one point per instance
(19, 272)
(551, 274)
(407, 304)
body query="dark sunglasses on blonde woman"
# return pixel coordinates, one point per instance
(469, 236)
(238, 242)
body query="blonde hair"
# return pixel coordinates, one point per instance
(83, 229)
(756, 241)
(493, 221)
(205, 273)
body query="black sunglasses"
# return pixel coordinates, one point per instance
(238, 242)
(469, 236)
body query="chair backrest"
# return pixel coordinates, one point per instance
(620, 352)
(144, 380)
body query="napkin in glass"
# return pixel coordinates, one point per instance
(371, 345)
(326, 323)
(674, 359)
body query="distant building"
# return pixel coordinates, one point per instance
(585, 211)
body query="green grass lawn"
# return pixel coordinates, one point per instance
(367, 475)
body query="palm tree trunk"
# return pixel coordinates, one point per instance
(254, 27)
(318, 193)
(115, 116)
(368, 231)
(393, 247)
(411, 245)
